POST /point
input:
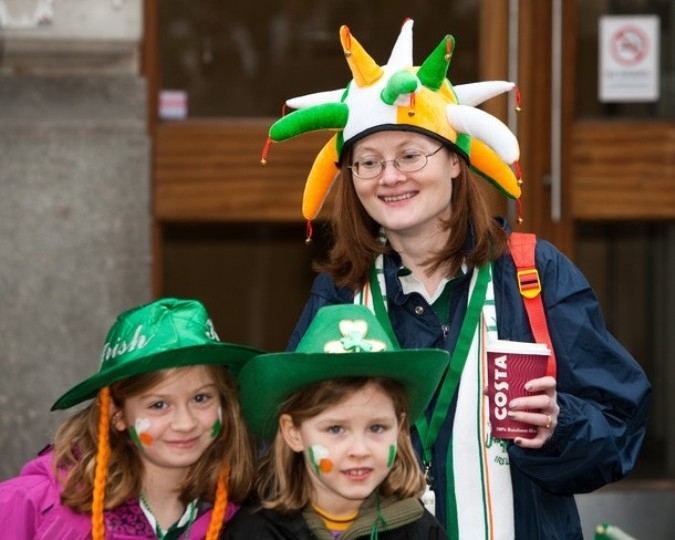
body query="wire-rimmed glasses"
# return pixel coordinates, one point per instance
(411, 161)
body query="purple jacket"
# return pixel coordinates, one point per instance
(30, 509)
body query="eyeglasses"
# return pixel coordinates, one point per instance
(369, 167)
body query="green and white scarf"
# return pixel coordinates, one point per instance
(479, 494)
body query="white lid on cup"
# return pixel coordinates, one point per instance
(522, 347)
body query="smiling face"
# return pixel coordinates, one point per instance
(349, 448)
(406, 203)
(175, 421)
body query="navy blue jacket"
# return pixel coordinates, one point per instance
(603, 393)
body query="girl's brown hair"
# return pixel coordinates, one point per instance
(356, 242)
(100, 467)
(283, 481)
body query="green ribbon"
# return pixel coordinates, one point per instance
(428, 431)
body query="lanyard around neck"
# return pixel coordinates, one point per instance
(428, 431)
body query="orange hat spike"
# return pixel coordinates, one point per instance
(320, 179)
(364, 69)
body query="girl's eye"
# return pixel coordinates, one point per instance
(378, 428)
(335, 429)
(202, 398)
(158, 405)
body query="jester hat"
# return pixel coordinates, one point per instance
(401, 96)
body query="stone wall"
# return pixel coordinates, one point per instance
(74, 207)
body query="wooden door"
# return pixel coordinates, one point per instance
(211, 193)
(225, 228)
(612, 169)
(616, 192)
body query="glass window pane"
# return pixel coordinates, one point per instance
(245, 59)
(587, 59)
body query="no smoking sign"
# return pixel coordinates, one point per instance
(629, 45)
(629, 58)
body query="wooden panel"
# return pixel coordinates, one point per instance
(493, 59)
(211, 172)
(623, 170)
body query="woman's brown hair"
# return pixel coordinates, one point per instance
(356, 242)
(283, 481)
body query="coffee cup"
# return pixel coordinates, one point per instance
(510, 365)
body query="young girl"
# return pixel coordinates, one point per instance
(162, 452)
(341, 462)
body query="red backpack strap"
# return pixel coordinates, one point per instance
(522, 250)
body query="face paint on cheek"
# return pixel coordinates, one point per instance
(218, 424)
(392, 456)
(318, 456)
(139, 433)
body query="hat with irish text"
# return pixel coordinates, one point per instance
(166, 333)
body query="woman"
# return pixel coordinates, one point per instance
(414, 241)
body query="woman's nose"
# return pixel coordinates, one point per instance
(391, 174)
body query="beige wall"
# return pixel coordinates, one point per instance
(74, 203)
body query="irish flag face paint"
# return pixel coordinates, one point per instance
(139, 432)
(318, 456)
(218, 424)
(392, 456)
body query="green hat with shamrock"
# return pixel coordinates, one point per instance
(166, 333)
(342, 341)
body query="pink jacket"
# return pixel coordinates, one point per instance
(30, 509)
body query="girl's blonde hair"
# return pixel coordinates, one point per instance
(283, 481)
(100, 467)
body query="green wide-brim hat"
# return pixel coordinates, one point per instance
(342, 341)
(166, 333)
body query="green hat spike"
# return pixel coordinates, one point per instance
(400, 83)
(326, 116)
(434, 69)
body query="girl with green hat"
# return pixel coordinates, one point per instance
(162, 451)
(337, 412)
